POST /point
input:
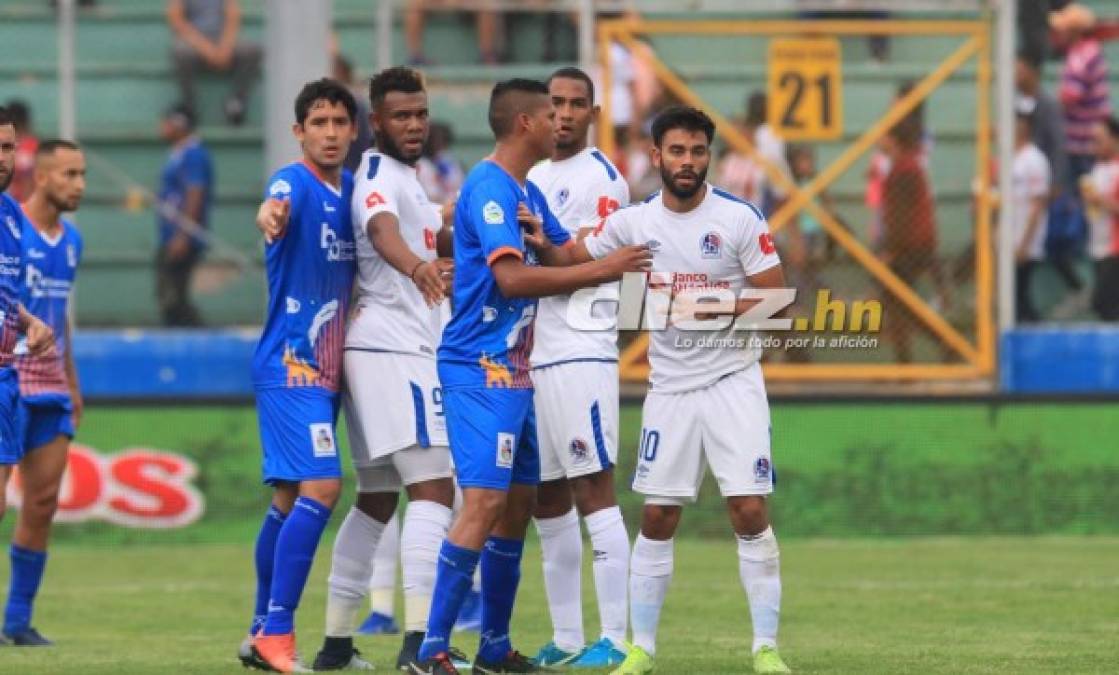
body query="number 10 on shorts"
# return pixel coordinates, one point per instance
(650, 440)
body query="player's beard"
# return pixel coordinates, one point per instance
(387, 146)
(6, 179)
(668, 179)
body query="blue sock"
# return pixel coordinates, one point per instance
(501, 574)
(454, 575)
(27, 574)
(265, 559)
(295, 551)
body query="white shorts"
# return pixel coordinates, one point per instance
(404, 467)
(725, 425)
(392, 402)
(576, 418)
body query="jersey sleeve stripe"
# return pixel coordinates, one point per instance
(610, 171)
(504, 251)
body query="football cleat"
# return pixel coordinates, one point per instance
(602, 654)
(550, 655)
(440, 664)
(767, 660)
(278, 653)
(638, 662)
(27, 637)
(514, 662)
(340, 654)
(378, 624)
(470, 614)
(247, 657)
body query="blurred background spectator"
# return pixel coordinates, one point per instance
(1084, 88)
(343, 71)
(1101, 195)
(206, 36)
(745, 176)
(1031, 182)
(877, 45)
(186, 194)
(486, 22)
(26, 145)
(440, 172)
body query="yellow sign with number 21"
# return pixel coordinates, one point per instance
(805, 89)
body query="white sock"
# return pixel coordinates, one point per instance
(382, 585)
(561, 546)
(650, 571)
(425, 527)
(350, 568)
(611, 563)
(759, 567)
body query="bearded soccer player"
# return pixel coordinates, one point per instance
(297, 367)
(575, 374)
(483, 366)
(706, 403)
(13, 317)
(50, 399)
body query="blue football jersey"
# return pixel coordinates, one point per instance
(50, 266)
(310, 276)
(489, 339)
(11, 232)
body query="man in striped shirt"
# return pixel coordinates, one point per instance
(1083, 90)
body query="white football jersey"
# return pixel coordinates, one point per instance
(390, 314)
(716, 245)
(581, 191)
(1030, 180)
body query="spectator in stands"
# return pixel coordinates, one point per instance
(909, 242)
(206, 36)
(744, 175)
(1030, 177)
(27, 143)
(1048, 132)
(486, 22)
(878, 45)
(1033, 28)
(1084, 89)
(879, 166)
(440, 172)
(183, 212)
(1101, 195)
(343, 71)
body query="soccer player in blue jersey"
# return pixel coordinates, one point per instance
(50, 400)
(484, 371)
(298, 364)
(13, 317)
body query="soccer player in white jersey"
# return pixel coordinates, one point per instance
(706, 403)
(575, 373)
(393, 403)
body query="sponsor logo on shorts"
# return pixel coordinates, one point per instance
(642, 470)
(580, 451)
(505, 450)
(322, 440)
(761, 470)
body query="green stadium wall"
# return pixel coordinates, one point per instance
(844, 470)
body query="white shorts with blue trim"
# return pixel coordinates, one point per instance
(725, 425)
(576, 417)
(392, 402)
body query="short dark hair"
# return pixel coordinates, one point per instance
(48, 147)
(756, 108)
(397, 78)
(326, 89)
(181, 114)
(573, 73)
(682, 117)
(19, 113)
(5, 117)
(509, 99)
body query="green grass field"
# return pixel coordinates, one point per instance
(937, 605)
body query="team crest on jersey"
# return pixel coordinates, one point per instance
(279, 188)
(653, 245)
(711, 246)
(505, 450)
(71, 255)
(492, 213)
(762, 470)
(322, 440)
(562, 197)
(580, 452)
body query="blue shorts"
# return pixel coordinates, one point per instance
(297, 434)
(11, 442)
(493, 436)
(44, 418)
